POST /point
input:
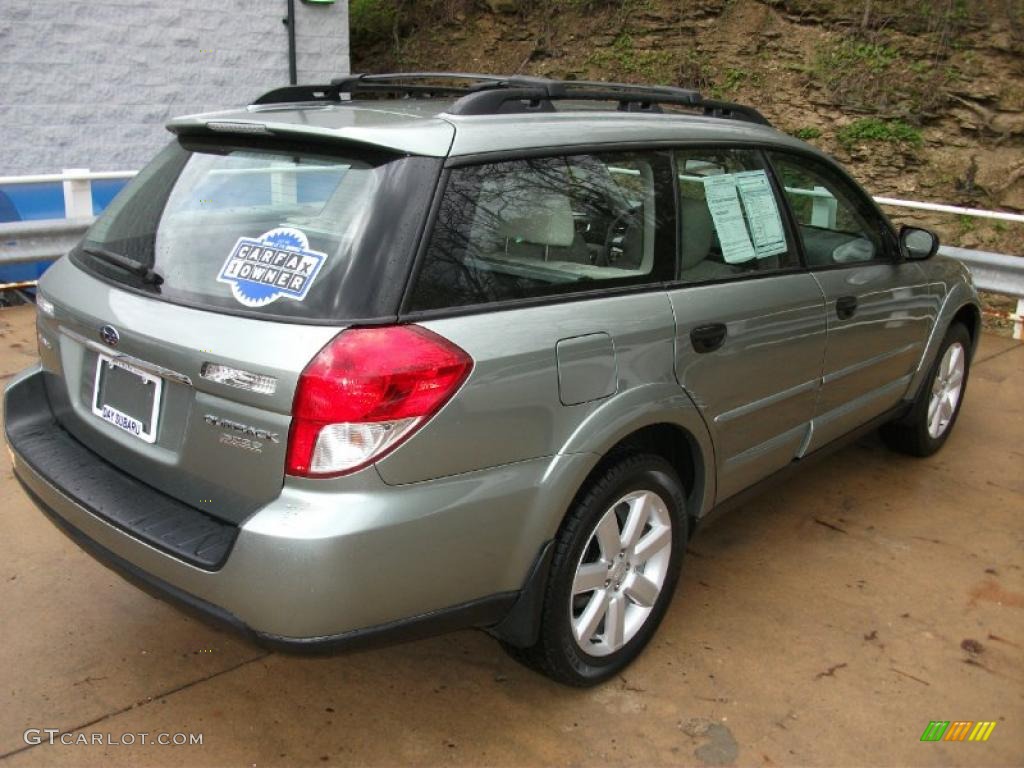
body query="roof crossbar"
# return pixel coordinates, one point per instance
(498, 94)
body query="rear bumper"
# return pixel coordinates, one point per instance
(312, 569)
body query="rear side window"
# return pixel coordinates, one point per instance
(259, 229)
(537, 227)
(730, 218)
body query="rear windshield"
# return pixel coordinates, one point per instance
(266, 230)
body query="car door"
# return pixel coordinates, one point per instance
(879, 308)
(750, 321)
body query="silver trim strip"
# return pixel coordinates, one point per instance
(862, 364)
(153, 368)
(776, 397)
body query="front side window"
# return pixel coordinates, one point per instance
(835, 222)
(730, 222)
(536, 227)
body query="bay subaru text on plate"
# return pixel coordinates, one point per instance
(409, 353)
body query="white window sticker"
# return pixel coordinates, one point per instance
(278, 264)
(724, 204)
(762, 213)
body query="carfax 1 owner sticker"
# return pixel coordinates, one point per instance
(277, 265)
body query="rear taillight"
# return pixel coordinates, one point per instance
(367, 391)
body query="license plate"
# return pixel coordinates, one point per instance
(127, 397)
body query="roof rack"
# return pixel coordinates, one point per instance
(503, 94)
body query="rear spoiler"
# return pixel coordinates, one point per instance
(430, 138)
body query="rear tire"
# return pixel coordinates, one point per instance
(615, 566)
(927, 426)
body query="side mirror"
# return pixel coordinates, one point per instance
(918, 244)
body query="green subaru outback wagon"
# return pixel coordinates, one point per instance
(408, 353)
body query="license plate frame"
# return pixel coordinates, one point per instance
(117, 418)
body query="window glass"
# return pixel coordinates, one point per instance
(730, 220)
(834, 225)
(535, 227)
(265, 230)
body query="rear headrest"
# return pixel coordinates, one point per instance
(546, 219)
(697, 229)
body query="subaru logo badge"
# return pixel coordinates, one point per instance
(110, 335)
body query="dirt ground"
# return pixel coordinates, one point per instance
(825, 624)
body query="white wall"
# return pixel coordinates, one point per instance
(90, 83)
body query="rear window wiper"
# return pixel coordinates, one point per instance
(130, 265)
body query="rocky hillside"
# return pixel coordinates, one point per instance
(922, 100)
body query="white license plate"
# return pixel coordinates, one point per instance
(127, 397)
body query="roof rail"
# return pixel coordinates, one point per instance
(502, 94)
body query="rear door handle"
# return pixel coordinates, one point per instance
(708, 338)
(846, 307)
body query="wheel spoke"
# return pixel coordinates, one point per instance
(590, 577)
(608, 535)
(955, 379)
(639, 511)
(954, 359)
(642, 590)
(585, 626)
(615, 623)
(653, 543)
(934, 419)
(946, 408)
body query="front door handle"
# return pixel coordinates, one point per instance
(846, 307)
(708, 338)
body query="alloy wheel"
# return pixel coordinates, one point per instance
(621, 573)
(946, 390)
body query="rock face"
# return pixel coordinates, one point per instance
(812, 67)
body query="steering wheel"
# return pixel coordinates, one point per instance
(606, 254)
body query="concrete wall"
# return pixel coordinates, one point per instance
(90, 83)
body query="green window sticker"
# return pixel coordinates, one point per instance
(724, 205)
(762, 213)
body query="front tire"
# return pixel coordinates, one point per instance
(926, 428)
(614, 570)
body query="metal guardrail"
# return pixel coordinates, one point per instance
(44, 240)
(992, 272)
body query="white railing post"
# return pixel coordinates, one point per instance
(1018, 323)
(823, 209)
(77, 193)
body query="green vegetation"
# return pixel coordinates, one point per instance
(873, 129)
(732, 79)
(864, 68)
(590, 5)
(624, 57)
(807, 133)
(372, 20)
(848, 54)
(855, 73)
(692, 69)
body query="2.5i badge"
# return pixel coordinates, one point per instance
(278, 264)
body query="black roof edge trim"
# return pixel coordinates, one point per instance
(497, 94)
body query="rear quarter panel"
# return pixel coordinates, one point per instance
(509, 410)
